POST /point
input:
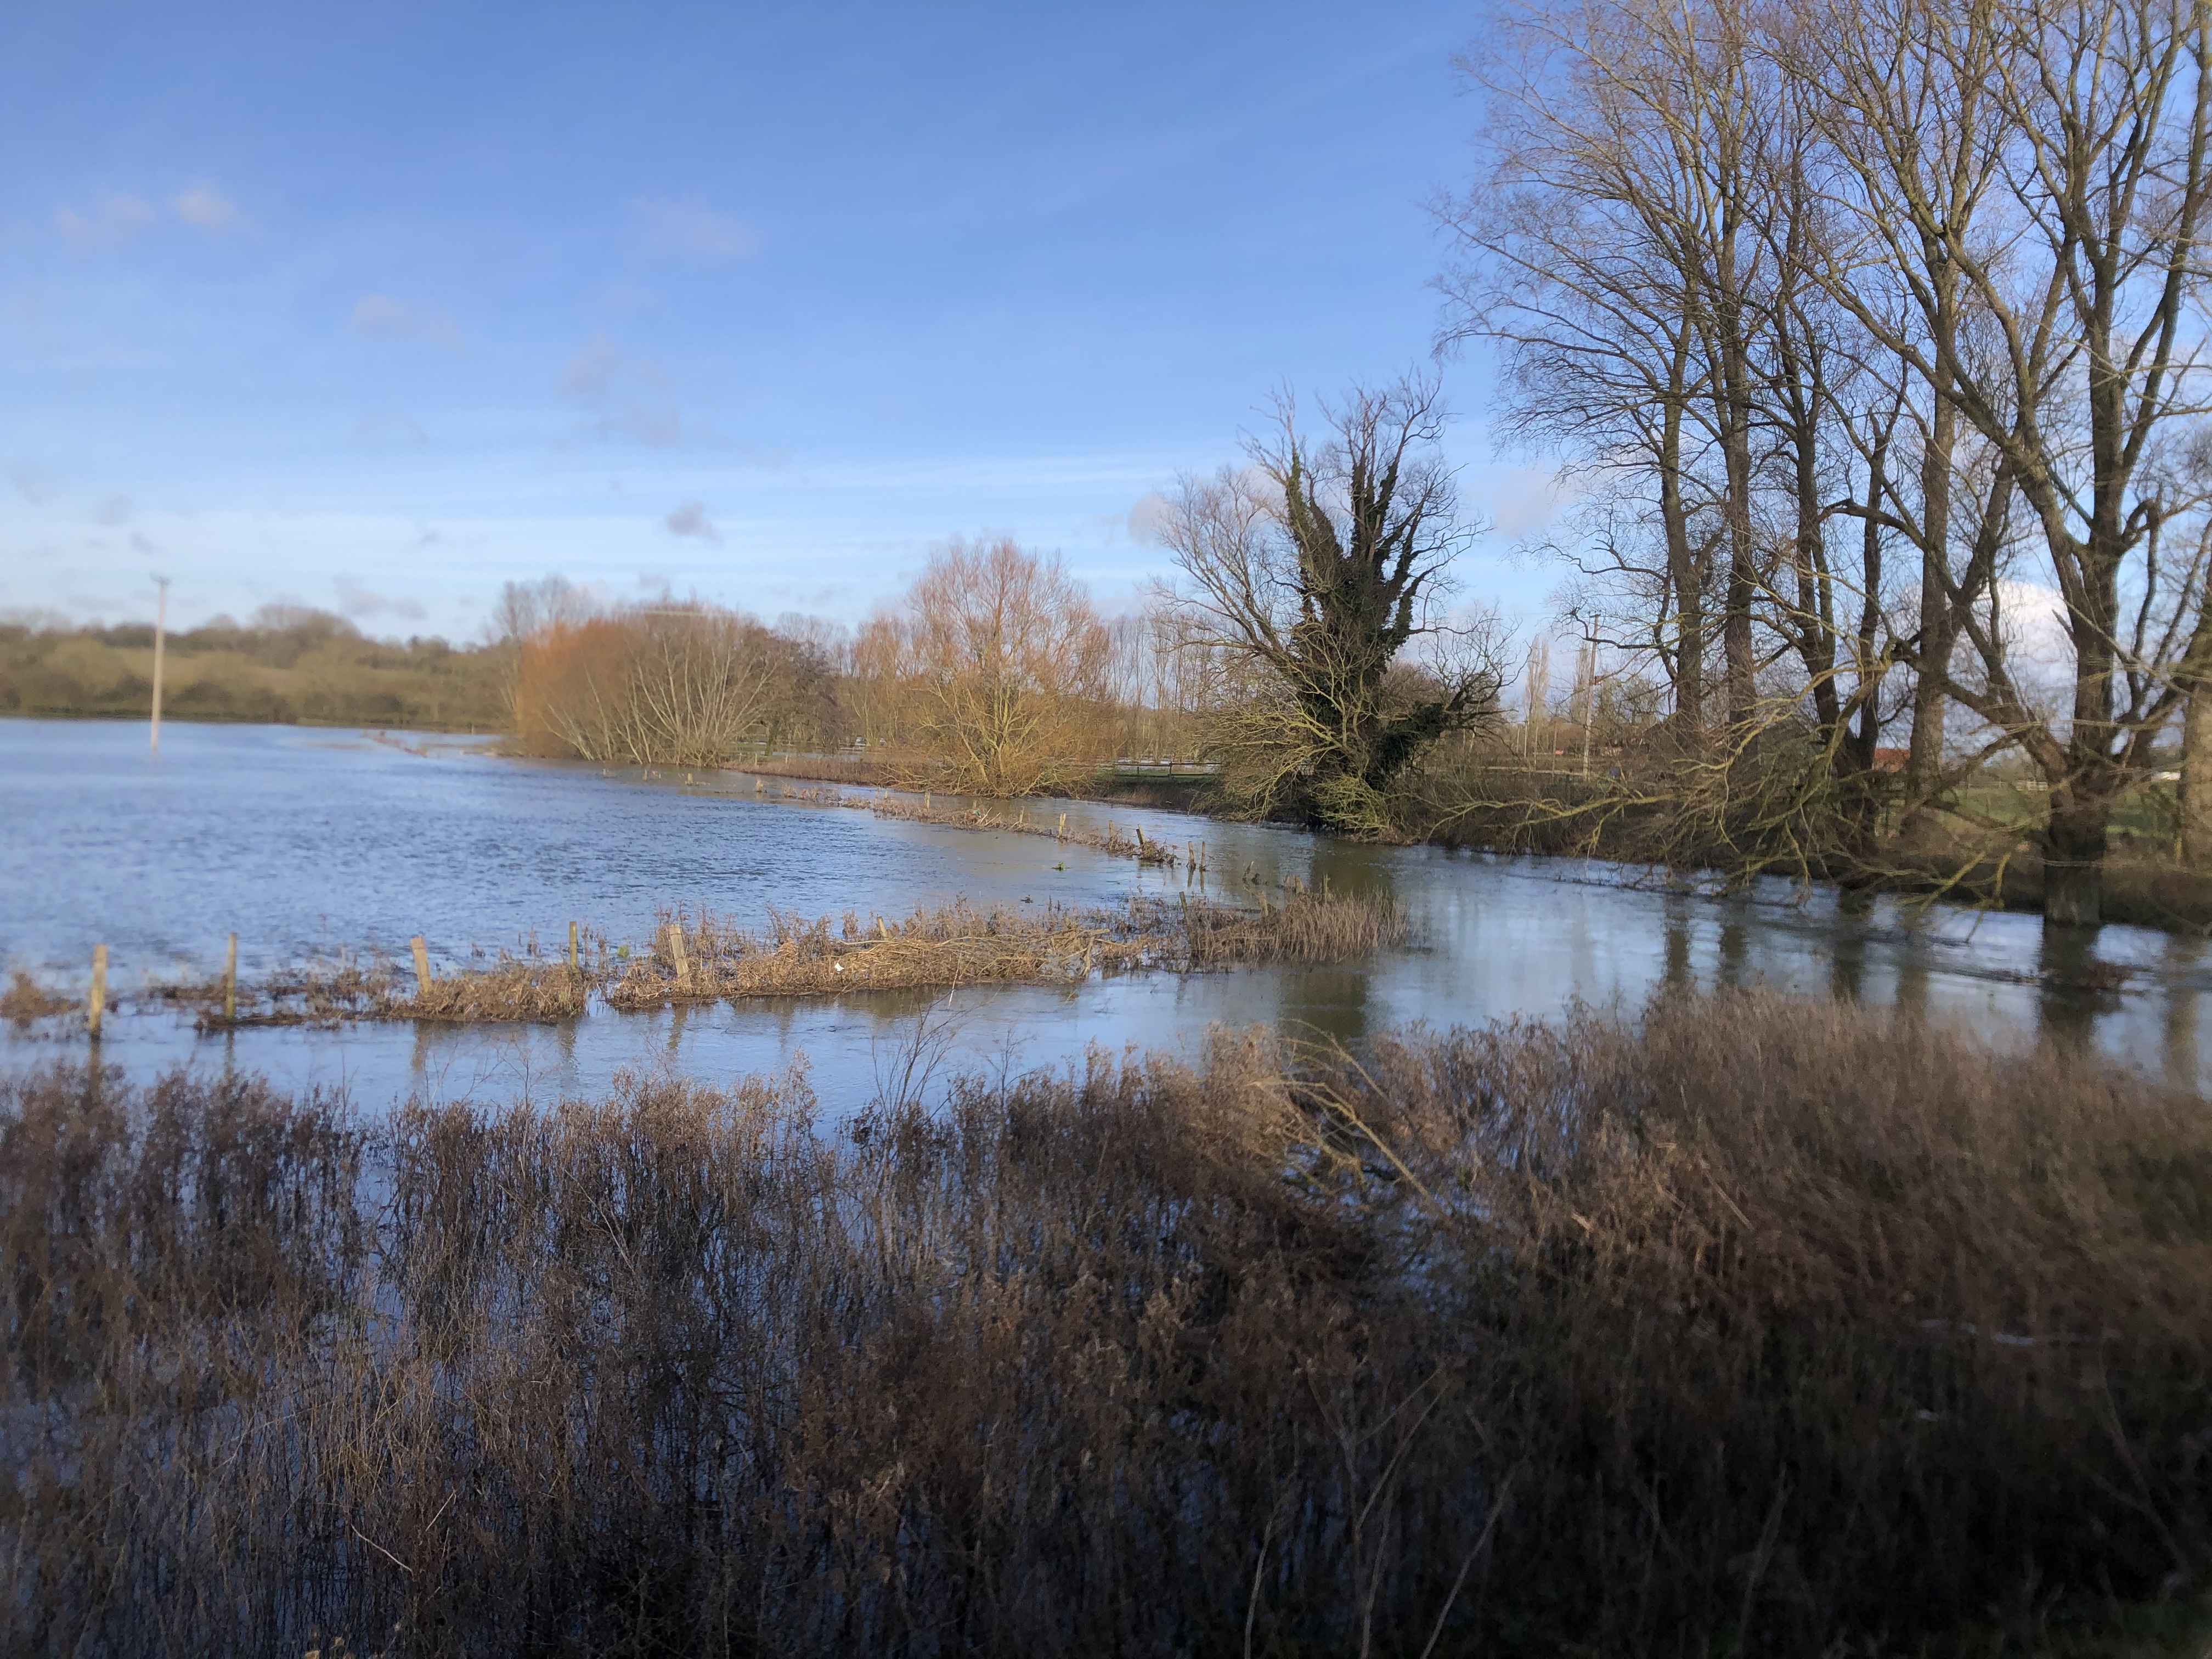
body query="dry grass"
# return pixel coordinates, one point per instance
(949, 946)
(353, 986)
(26, 1001)
(510, 991)
(957, 945)
(1766, 1327)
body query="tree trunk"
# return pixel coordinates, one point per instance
(1687, 579)
(2196, 777)
(1923, 756)
(2074, 854)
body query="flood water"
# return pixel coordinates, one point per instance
(305, 841)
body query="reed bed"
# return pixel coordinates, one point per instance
(1754, 1325)
(709, 958)
(370, 985)
(26, 1001)
(513, 991)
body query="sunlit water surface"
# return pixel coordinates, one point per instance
(306, 841)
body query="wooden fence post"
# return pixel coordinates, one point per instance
(675, 951)
(572, 946)
(230, 983)
(98, 1004)
(421, 965)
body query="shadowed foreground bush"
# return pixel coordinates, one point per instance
(1763, 1323)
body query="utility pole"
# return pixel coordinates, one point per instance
(1590, 678)
(160, 627)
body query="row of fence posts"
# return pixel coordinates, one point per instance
(95, 1007)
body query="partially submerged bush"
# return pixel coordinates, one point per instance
(1764, 1327)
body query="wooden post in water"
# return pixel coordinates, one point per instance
(1061, 833)
(675, 951)
(572, 946)
(98, 1004)
(160, 627)
(421, 965)
(230, 982)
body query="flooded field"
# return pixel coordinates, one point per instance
(306, 844)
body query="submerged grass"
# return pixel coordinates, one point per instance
(26, 1000)
(1135, 845)
(1757, 1326)
(957, 945)
(708, 958)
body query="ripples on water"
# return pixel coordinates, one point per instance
(305, 841)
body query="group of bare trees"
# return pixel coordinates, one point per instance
(1872, 330)
(994, 674)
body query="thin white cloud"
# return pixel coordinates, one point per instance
(696, 229)
(1148, 519)
(380, 316)
(691, 520)
(359, 603)
(112, 223)
(112, 511)
(204, 208)
(596, 375)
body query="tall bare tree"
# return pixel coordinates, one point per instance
(2070, 218)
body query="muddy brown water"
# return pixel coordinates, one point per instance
(304, 842)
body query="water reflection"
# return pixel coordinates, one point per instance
(306, 839)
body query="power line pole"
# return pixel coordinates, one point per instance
(160, 627)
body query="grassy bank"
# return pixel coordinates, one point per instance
(1762, 1327)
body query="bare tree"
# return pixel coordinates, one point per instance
(2070, 220)
(1306, 576)
(1009, 664)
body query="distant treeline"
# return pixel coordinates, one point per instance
(287, 664)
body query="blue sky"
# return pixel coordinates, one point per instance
(376, 308)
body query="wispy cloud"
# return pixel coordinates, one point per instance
(1148, 519)
(691, 520)
(34, 483)
(204, 208)
(362, 603)
(598, 373)
(112, 223)
(591, 373)
(120, 218)
(380, 316)
(695, 229)
(113, 510)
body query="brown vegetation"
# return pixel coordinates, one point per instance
(707, 958)
(661, 684)
(26, 1000)
(351, 986)
(1767, 1327)
(994, 675)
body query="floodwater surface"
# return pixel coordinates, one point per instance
(305, 842)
